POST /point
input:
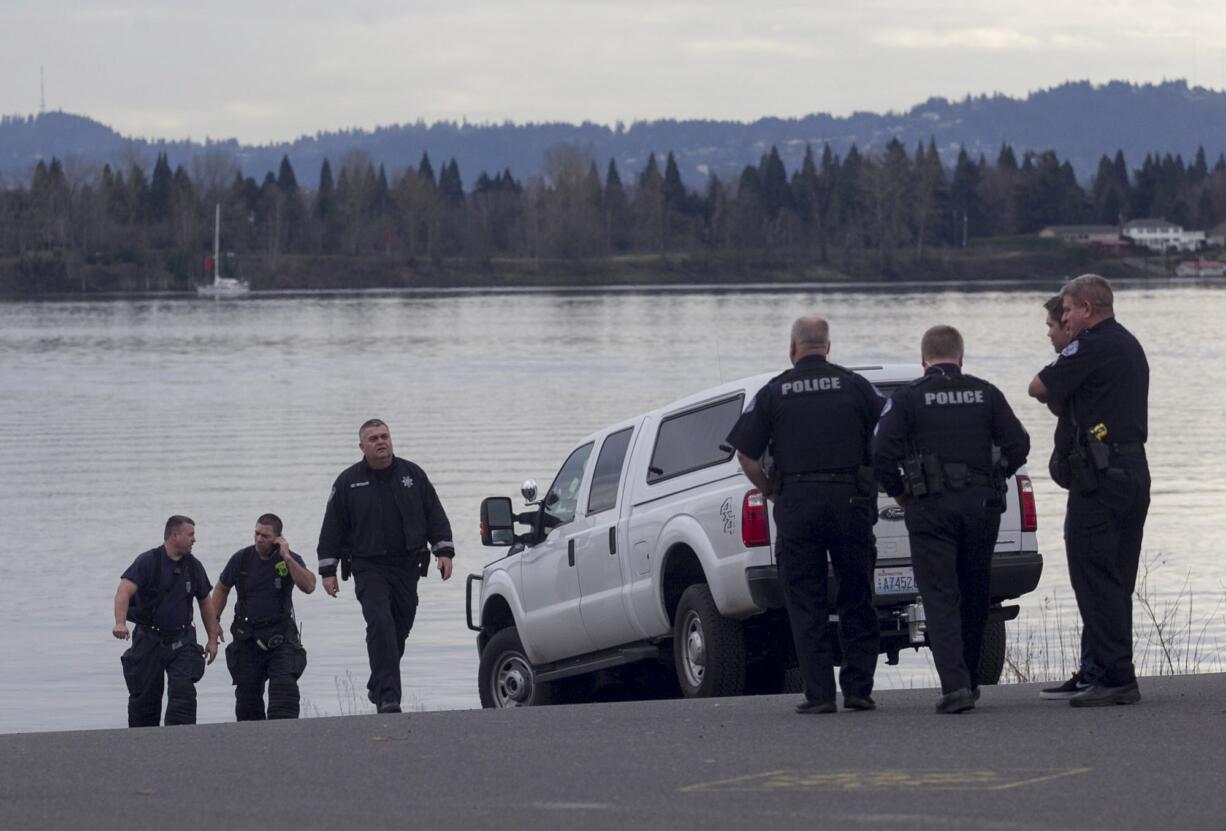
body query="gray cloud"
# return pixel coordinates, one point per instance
(273, 70)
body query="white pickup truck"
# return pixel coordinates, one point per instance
(651, 546)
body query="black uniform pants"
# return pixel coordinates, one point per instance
(387, 589)
(251, 668)
(952, 539)
(816, 521)
(153, 663)
(1103, 534)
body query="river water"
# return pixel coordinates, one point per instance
(116, 414)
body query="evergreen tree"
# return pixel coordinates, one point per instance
(1107, 201)
(672, 188)
(1200, 168)
(749, 212)
(966, 200)
(649, 207)
(160, 187)
(425, 172)
(1006, 161)
(286, 180)
(450, 186)
(774, 183)
(930, 214)
(138, 194)
(617, 210)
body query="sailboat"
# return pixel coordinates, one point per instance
(221, 286)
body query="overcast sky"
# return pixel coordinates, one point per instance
(269, 70)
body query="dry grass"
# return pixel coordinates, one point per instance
(1171, 635)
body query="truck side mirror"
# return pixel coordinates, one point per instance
(497, 521)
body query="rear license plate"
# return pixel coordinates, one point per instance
(895, 581)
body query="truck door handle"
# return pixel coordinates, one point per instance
(613, 539)
(570, 552)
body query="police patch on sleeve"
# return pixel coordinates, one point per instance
(1070, 350)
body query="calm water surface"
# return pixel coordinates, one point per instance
(114, 415)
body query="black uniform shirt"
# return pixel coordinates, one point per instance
(958, 417)
(267, 590)
(1102, 377)
(384, 483)
(353, 523)
(181, 582)
(818, 414)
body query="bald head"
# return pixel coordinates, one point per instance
(810, 336)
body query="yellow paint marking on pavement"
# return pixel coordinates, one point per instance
(1060, 774)
(885, 780)
(719, 785)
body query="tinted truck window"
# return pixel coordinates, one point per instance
(694, 439)
(608, 472)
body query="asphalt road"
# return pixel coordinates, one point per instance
(1016, 762)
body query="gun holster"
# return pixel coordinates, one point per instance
(933, 474)
(346, 568)
(1083, 473)
(913, 476)
(423, 562)
(1100, 455)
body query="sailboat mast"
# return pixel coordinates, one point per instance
(217, 245)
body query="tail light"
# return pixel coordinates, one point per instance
(1030, 514)
(755, 525)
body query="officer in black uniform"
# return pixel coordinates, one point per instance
(1101, 382)
(1058, 468)
(940, 431)
(817, 419)
(381, 514)
(164, 652)
(266, 647)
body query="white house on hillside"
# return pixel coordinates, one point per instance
(1160, 235)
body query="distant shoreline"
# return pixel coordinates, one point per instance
(703, 288)
(1008, 263)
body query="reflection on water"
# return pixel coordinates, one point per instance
(118, 414)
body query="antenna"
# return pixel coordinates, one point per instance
(42, 91)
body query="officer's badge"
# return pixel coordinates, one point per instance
(1070, 350)
(407, 481)
(282, 568)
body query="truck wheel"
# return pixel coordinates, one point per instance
(505, 677)
(708, 648)
(992, 653)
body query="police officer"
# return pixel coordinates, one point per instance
(817, 419)
(1101, 382)
(266, 647)
(940, 429)
(1057, 466)
(381, 514)
(164, 652)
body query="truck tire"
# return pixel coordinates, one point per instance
(505, 677)
(992, 652)
(708, 648)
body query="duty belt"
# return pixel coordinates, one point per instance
(837, 478)
(174, 638)
(1130, 448)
